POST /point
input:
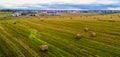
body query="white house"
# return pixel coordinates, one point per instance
(56, 13)
(15, 14)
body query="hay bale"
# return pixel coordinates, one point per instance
(42, 20)
(44, 47)
(4, 17)
(14, 23)
(111, 17)
(86, 29)
(93, 34)
(99, 19)
(71, 18)
(111, 20)
(78, 36)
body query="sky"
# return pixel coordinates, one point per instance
(61, 4)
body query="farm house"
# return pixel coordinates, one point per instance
(55, 13)
(15, 14)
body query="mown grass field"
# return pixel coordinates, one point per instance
(24, 38)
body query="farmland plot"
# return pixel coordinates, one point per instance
(23, 36)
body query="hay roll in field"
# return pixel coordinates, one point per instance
(86, 29)
(44, 47)
(14, 23)
(41, 20)
(78, 36)
(93, 34)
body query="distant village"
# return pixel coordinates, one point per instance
(17, 13)
(34, 13)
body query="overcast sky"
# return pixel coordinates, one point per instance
(61, 4)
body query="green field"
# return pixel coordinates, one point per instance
(24, 38)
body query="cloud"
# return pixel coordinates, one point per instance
(20, 2)
(118, 8)
(58, 4)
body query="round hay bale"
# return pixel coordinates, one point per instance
(86, 29)
(78, 36)
(93, 34)
(4, 17)
(44, 48)
(111, 20)
(14, 23)
(42, 20)
(71, 18)
(99, 19)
